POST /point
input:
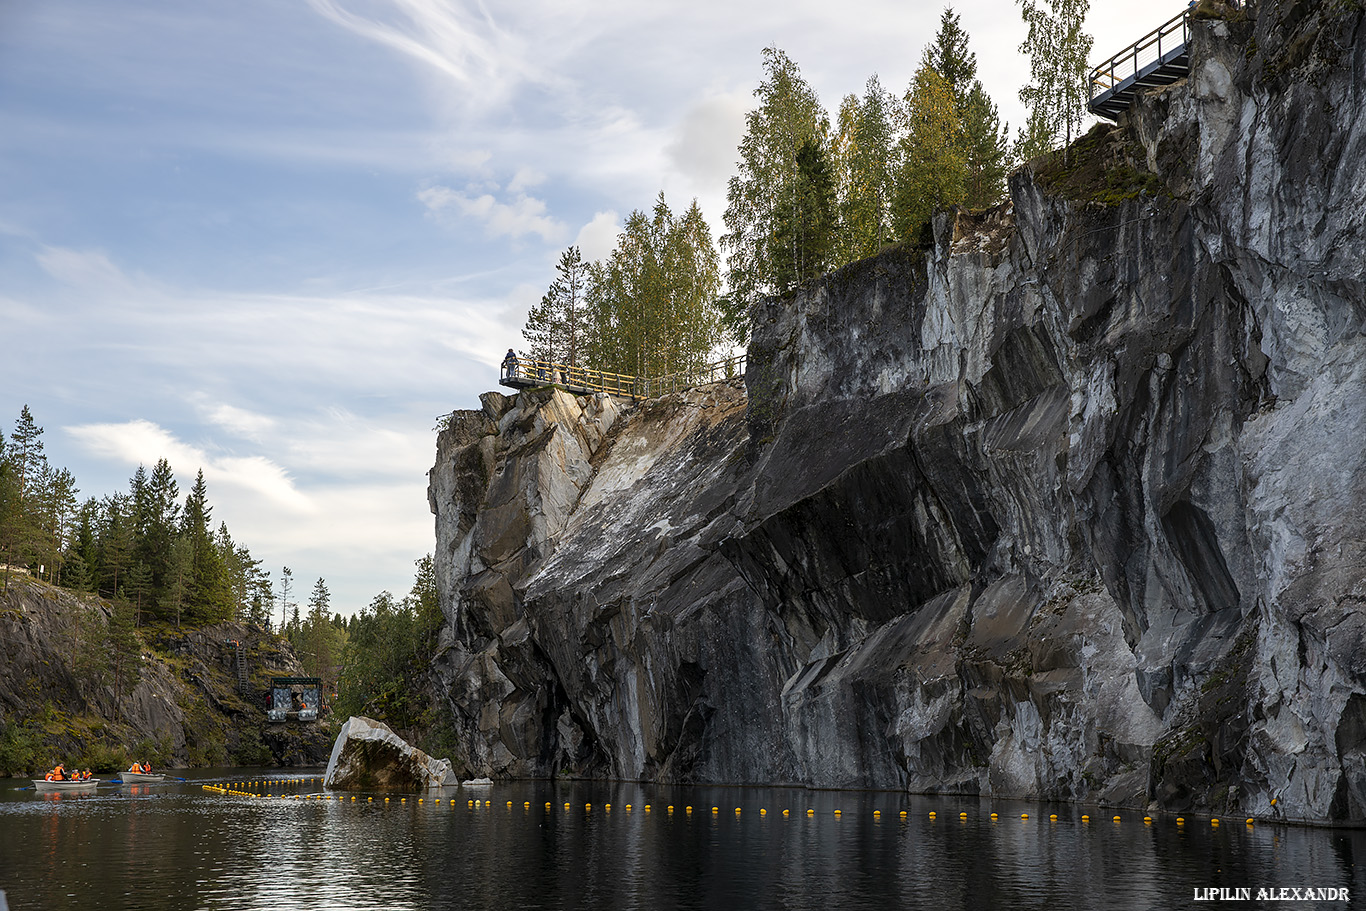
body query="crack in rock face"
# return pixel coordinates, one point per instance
(1070, 504)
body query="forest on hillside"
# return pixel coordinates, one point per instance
(156, 559)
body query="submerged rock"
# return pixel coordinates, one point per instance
(368, 756)
(1070, 504)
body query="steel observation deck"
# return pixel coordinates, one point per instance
(1160, 57)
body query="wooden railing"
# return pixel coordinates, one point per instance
(1153, 48)
(523, 373)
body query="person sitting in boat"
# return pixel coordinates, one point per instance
(147, 768)
(135, 767)
(85, 776)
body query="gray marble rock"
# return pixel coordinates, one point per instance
(1068, 505)
(369, 756)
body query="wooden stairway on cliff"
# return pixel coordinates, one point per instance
(1160, 57)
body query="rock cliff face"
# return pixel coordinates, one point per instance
(1070, 505)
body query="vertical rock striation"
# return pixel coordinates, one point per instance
(1071, 504)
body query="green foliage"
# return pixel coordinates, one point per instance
(102, 757)
(949, 56)
(652, 302)
(787, 116)
(933, 166)
(986, 159)
(1058, 51)
(21, 749)
(557, 329)
(390, 646)
(123, 649)
(864, 173)
(804, 236)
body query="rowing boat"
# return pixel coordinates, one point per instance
(142, 777)
(40, 784)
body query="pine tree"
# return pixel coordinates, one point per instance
(985, 143)
(286, 584)
(208, 596)
(766, 188)
(950, 58)
(1058, 50)
(557, 328)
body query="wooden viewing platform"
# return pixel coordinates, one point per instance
(1160, 57)
(526, 373)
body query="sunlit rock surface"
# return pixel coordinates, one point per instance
(368, 756)
(1070, 505)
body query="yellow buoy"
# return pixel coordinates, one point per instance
(509, 803)
(1273, 801)
(1086, 819)
(547, 805)
(403, 800)
(1024, 815)
(837, 812)
(647, 808)
(607, 807)
(962, 816)
(903, 814)
(687, 809)
(628, 808)
(1214, 822)
(879, 813)
(737, 811)
(810, 812)
(1147, 820)
(369, 800)
(993, 815)
(386, 800)
(1116, 819)
(1180, 820)
(763, 812)
(566, 806)
(470, 804)
(1053, 817)
(671, 808)
(588, 806)
(715, 810)
(419, 800)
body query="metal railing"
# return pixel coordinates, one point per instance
(523, 373)
(1153, 49)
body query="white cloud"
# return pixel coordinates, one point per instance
(704, 149)
(522, 216)
(597, 238)
(524, 178)
(240, 422)
(142, 442)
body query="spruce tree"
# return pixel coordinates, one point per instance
(985, 147)
(932, 162)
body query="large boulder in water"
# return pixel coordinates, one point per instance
(368, 756)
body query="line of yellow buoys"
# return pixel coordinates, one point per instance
(607, 808)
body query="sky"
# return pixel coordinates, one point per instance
(276, 239)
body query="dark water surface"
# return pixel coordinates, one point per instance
(178, 846)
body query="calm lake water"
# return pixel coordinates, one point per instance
(178, 846)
